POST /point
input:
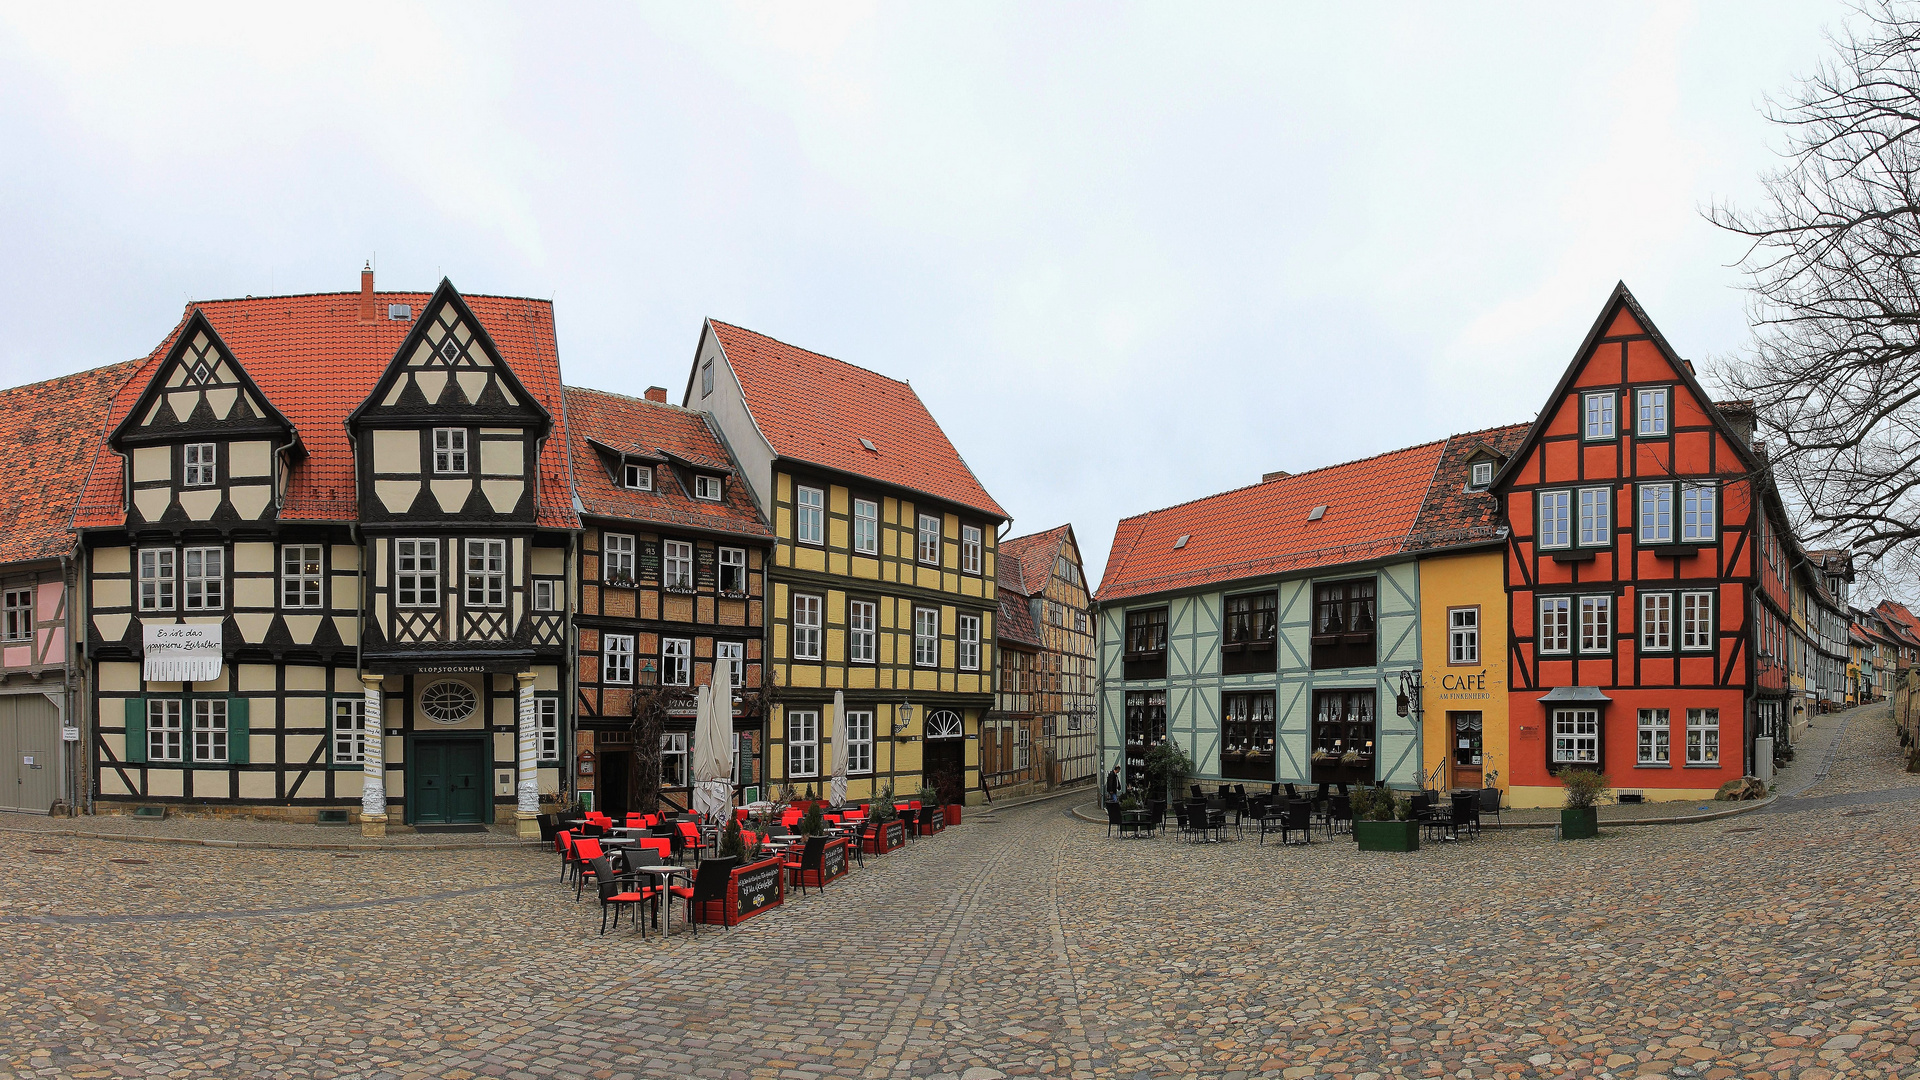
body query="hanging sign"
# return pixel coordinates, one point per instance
(181, 653)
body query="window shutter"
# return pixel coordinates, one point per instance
(326, 731)
(237, 731)
(136, 751)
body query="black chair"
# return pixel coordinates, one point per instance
(1299, 819)
(1292, 794)
(707, 893)
(1156, 817)
(1273, 818)
(1113, 817)
(1184, 819)
(912, 817)
(1208, 821)
(1197, 793)
(1432, 821)
(1490, 802)
(1466, 813)
(1339, 814)
(618, 893)
(813, 860)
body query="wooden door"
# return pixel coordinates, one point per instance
(30, 741)
(946, 769)
(449, 785)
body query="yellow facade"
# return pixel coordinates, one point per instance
(1460, 687)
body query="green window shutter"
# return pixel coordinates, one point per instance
(237, 731)
(136, 752)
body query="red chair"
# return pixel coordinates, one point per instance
(659, 845)
(563, 843)
(618, 894)
(585, 850)
(789, 819)
(690, 838)
(707, 896)
(811, 867)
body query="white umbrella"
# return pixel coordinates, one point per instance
(712, 745)
(837, 794)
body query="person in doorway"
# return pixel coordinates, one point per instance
(1114, 785)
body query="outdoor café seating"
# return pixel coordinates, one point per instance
(1339, 814)
(705, 901)
(618, 893)
(1466, 814)
(811, 867)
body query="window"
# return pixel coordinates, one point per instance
(199, 461)
(1703, 736)
(1480, 476)
(1463, 635)
(301, 569)
(543, 595)
(1056, 614)
(1247, 734)
(859, 748)
(1343, 623)
(679, 565)
(616, 659)
(945, 724)
(1696, 620)
(803, 742)
(1656, 622)
(636, 476)
(1599, 409)
(417, 572)
(1656, 513)
(737, 653)
(1248, 646)
(1022, 746)
(930, 539)
(1655, 738)
(1080, 621)
(926, 637)
(866, 526)
(806, 627)
(1146, 654)
(210, 730)
(163, 729)
(204, 578)
(809, 511)
(156, 579)
(486, 573)
(1652, 407)
(733, 570)
(18, 617)
(1596, 517)
(707, 487)
(676, 662)
(1696, 513)
(546, 728)
(1146, 717)
(1343, 733)
(970, 548)
(1596, 624)
(706, 378)
(348, 737)
(673, 759)
(1576, 736)
(860, 632)
(1554, 622)
(1553, 519)
(450, 451)
(968, 632)
(616, 552)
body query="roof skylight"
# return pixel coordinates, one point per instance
(1317, 513)
(1182, 542)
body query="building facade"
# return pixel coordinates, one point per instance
(1011, 755)
(1046, 570)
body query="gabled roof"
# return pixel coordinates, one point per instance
(816, 409)
(1015, 623)
(1034, 555)
(52, 430)
(655, 431)
(1270, 528)
(316, 361)
(1452, 516)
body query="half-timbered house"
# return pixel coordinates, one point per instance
(1046, 569)
(1007, 758)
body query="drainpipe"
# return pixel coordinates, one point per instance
(73, 767)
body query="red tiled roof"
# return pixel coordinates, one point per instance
(51, 429)
(816, 409)
(1450, 515)
(316, 361)
(1034, 554)
(1016, 620)
(654, 429)
(1263, 529)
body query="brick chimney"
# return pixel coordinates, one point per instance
(1277, 474)
(656, 393)
(366, 294)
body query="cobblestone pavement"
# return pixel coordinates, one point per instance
(1027, 943)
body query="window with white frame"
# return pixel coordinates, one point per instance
(1599, 410)
(967, 632)
(1696, 620)
(806, 627)
(706, 378)
(1596, 624)
(486, 573)
(1656, 513)
(735, 651)
(676, 662)
(203, 579)
(678, 564)
(1463, 635)
(450, 451)
(861, 619)
(302, 568)
(347, 734)
(859, 749)
(1022, 746)
(1576, 736)
(416, 573)
(1554, 531)
(1697, 513)
(546, 727)
(926, 637)
(156, 579)
(1480, 476)
(673, 759)
(1555, 621)
(1596, 517)
(1656, 736)
(733, 570)
(616, 659)
(544, 594)
(1703, 736)
(198, 459)
(803, 742)
(929, 546)
(1656, 622)
(970, 548)
(616, 553)
(1652, 407)
(636, 476)
(866, 526)
(16, 616)
(164, 736)
(809, 515)
(210, 730)
(707, 487)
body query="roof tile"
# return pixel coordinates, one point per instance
(655, 429)
(53, 430)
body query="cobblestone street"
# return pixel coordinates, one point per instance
(1023, 942)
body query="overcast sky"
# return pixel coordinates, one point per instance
(1129, 255)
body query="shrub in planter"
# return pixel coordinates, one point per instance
(732, 843)
(1166, 768)
(812, 823)
(1383, 820)
(1584, 788)
(880, 808)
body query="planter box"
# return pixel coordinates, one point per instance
(1579, 824)
(893, 834)
(1387, 835)
(932, 823)
(755, 888)
(953, 813)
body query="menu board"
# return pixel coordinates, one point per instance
(649, 560)
(833, 861)
(704, 567)
(896, 833)
(756, 887)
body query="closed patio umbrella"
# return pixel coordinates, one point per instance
(712, 745)
(837, 794)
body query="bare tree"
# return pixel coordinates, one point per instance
(1834, 273)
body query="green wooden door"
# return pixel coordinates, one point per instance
(449, 782)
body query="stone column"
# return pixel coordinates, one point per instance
(373, 781)
(528, 788)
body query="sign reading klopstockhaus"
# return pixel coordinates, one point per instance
(180, 653)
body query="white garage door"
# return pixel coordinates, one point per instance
(29, 753)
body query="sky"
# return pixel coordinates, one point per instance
(1128, 254)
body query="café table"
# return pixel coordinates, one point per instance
(665, 874)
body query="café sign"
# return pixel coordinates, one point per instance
(1464, 686)
(180, 653)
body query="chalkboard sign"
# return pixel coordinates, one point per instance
(833, 861)
(649, 560)
(756, 887)
(705, 570)
(896, 833)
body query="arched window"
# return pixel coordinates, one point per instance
(944, 724)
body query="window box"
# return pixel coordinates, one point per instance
(1387, 835)
(1580, 823)
(1677, 551)
(1585, 555)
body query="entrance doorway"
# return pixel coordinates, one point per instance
(946, 769)
(1463, 728)
(613, 792)
(449, 782)
(29, 753)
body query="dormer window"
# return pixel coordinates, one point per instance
(199, 460)
(450, 450)
(1480, 476)
(635, 476)
(706, 487)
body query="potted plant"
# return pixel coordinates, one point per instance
(1166, 768)
(892, 832)
(932, 818)
(1585, 787)
(1383, 820)
(813, 823)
